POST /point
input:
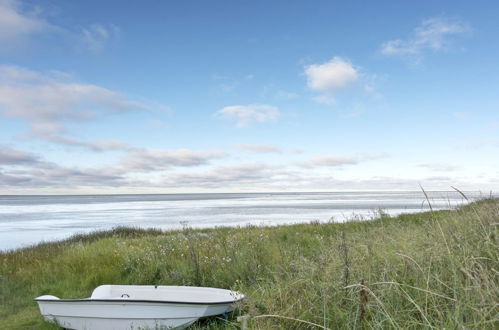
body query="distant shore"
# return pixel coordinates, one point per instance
(431, 269)
(27, 220)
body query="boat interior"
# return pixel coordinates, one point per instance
(166, 293)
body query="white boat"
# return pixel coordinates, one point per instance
(116, 307)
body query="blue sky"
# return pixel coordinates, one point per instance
(230, 96)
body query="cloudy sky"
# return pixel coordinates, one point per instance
(246, 96)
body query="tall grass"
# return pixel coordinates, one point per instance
(428, 270)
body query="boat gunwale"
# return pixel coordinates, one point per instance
(119, 300)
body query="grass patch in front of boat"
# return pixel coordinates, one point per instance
(433, 269)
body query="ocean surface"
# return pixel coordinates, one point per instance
(26, 220)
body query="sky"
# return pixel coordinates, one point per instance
(248, 96)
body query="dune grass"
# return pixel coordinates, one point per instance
(427, 270)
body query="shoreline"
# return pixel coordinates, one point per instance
(374, 215)
(24, 221)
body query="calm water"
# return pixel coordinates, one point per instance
(25, 220)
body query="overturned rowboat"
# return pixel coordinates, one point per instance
(116, 307)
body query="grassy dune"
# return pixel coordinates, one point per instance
(428, 270)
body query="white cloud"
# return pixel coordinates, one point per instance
(96, 36)
(227, 84)
(331, 76)
(330, 161)
(24, 171)
(141, 160)
(98, 146)
(244, 115)
(27, 170)
(9, 156)
(271, 90)
(52, 176)
(433, 34)
(258, 148)
(48, 101)
(17, 24)
(336, 161)
(33, 95)
(239, 175)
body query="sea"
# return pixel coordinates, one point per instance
(28, 220)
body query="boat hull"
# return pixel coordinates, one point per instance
(102, 315)
(119, 307)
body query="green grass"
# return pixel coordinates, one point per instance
(428, 270)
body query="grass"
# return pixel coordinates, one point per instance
(415, 271)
